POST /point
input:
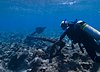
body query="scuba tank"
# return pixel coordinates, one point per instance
(90, 30)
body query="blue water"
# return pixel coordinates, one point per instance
(25, 15)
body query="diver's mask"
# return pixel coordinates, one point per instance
(64, 24)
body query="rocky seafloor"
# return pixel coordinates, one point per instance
(16, 56)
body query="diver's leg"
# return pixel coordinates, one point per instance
(97, 59)
(98, 48)
(90, 46)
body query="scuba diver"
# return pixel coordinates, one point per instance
(82, 33)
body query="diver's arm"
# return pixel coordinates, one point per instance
(63, 35)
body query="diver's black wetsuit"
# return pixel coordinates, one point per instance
(79, 36)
